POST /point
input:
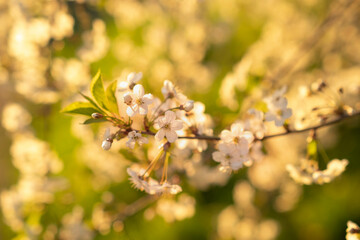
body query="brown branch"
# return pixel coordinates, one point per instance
(335, 14)
(321, 125)
(135, 207)
(201, 137)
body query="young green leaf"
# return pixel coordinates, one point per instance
(82, 108)
(97, 90)
(111, 99)
(129, 155)
(312, 149)
(92, 120)
(93, 103)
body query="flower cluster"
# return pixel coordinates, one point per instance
(277, 108)
(165, 120)
(234, 147)
(241, 146)
(167, 127)
(176, 121)
(45, 61)
(140, 180)
(352, 231)
(308, 172)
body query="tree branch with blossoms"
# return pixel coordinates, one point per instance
(137, 115)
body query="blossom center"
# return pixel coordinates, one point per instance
(139, 101)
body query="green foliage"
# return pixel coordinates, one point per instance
(104, 101)
(111, 99)
(91, 120)
(93, 103)
(98, 92)
(128, 155)
(82, 108)
(312, 149)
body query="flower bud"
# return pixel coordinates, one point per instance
(97, 115)
(189, 105)
(106, 144)
(166, 146)
(127, 99)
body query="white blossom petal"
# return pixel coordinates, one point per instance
(143, 110)
(226, 136)
(130, 112)
(248, 136)
(148, 98)
(176, 125)
(143, 140)
(171, 136)
(170, 116)
(237, 128)
(218, 156)
(139, 90)
(269, 116)
(279, 122)
(130, 144)
(160, 135)
(287, 113)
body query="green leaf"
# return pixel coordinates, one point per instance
(129, 155)
(111, 99)
(91, 120)
(312, 149)
(82, 108)
(261, 106)
(97, 90)
(93, 103)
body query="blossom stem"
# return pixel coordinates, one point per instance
(153, 163)
(165, 168)
(322, 151)
(135, 207)
(114, 120)
(154, 117)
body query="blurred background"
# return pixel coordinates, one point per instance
(57, 183)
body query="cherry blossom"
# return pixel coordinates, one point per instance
(127, 98)
(140, 101)
(131, 80)
(137, 179)
(238, 136)
(170, 91)
(277, 108)
(352, 231)
(167, 188)
(308, 172)
(229, 157)
(134, 137)
(107, 142)
(278, 113)
(140, 180)
(189, 105)
(168, 125)
(255, 123)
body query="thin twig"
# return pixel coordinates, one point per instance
(135, 207)
(321, 125)
(336, 13)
